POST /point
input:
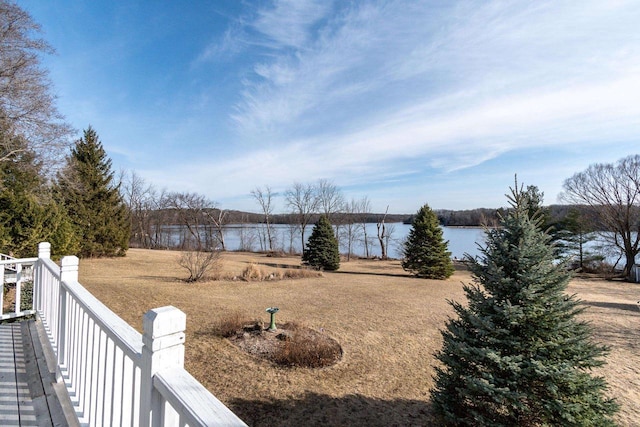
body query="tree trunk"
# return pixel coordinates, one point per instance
(382, 230)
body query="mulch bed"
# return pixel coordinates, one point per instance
(289, 345)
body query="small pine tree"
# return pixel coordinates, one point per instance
(516, 355)
(574, 233)
(87, 191)
(425, 251)
(322, 247)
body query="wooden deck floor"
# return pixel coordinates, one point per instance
(29, 394)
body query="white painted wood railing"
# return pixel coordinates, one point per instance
(16, 270)
(9, 265)
(116, 376)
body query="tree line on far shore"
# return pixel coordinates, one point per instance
(478, 217)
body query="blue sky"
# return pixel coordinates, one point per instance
(406, 102)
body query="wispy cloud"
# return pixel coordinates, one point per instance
(421, 138)
(233, 42)
(290, 23)
(513, 68)
(366, 92)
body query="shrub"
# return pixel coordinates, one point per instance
(300, 273)
(199, 264)
(306, 348)
(26, 296)
(229, 324)
(253, 272)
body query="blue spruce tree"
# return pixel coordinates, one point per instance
(516, 355)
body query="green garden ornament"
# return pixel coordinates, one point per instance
(272, 311)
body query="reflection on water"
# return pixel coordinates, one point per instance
(287, 238)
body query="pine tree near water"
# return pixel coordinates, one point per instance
(516, 355)
(92, 200)
(322, 247)
(425, 251)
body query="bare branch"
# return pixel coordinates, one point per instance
(613, 193)
(27, 106)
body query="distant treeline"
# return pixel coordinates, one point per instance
(241, 217)
(554, 214)
(447, 217)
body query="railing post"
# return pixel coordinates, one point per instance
(162, 348)
(68, 273)
(1, 288)
(69, 269)
(18, 298)
(44, 250)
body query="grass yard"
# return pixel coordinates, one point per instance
(386, 322)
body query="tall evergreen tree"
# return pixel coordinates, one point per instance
(322, 247)
(90, 196)
(516, 355)
(425, 251)
(21, 216)
(28, 214)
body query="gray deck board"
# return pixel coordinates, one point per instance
(28, 392)
(9, 405)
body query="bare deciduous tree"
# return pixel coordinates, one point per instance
(200, 231)
(141, 199)
(613, 193)
(29, 119)
(303, 202)
(246, 236)
(330, 204)
(330, 198)
(198, 240)
(383, 234)
(265, 200)
(350, 226)
(218, 217)
(388, 237)
(160, 219)
(364, 212)
(291, 233)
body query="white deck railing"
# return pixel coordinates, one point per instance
(18, 272)
(9, 265)
(115, 375)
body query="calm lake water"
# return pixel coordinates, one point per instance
(252, 237)
(287, 239)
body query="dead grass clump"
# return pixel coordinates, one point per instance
(306, 348)
(276, 254)
(255, 273)
(228, 325)
(300, 273)
(292, 326)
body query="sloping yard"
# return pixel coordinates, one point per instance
(386, 322)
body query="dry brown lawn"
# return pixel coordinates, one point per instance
(386, 321)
